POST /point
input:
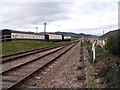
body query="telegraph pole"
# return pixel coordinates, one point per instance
(36, 29)
(44, 28)
(103, 32)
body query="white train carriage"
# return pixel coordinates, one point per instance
(17, 35)
(53, 37)
(8, 35)
(66, 38)
(27, 36)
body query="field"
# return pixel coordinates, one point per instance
(12, 47)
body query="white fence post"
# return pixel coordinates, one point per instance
(93, 50)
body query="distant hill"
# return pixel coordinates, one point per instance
(109, 33)
(75, 34)
(65, 33)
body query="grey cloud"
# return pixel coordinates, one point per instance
(96, 30)
(18, 14)
(94, 7)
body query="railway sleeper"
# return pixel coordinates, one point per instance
(81, 60)
(5, 84)
(81, 77)
(80, 67)
(9, 78)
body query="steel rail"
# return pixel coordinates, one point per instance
(20, 55)
(12, 55)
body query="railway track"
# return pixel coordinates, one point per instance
(7, 58)
(59, 74)
(15, 76)
(23, 60)
(20, 58)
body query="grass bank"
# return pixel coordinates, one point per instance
(105, 71)
(12, 47)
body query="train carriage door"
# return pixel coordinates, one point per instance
(46, 37)
(62, 38)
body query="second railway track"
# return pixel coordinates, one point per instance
(23, 60)
(14, 76)
(7, 58)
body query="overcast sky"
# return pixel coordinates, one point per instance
(79, 16)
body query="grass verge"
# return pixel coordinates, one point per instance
(12, 47)
(105, 73)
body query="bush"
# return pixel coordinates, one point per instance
(113, 44)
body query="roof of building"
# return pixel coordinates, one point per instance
(14, 31)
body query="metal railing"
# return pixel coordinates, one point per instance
(5, 37)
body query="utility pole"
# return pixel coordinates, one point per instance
(44, 28)
(36, 29)
(103, 32)
(110, 27)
